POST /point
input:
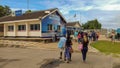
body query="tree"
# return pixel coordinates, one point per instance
(28, 11)
(93, 24)
(4, 10)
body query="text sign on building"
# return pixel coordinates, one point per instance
(18, 13)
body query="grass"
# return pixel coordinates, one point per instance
(107, 47)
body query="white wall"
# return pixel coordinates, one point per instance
(22, 33)
(10, 33)
(34, 33)
(27, 32)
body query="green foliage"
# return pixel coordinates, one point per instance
(28, 11)
(93, 24)
(4, 10)
(107, 46)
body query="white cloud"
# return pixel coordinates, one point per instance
(106, 11)
(14, 9)
(23, 9)
(109, 5)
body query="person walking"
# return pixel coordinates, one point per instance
(75, 35)
(79, 37)
(68, 49)
(61, 46)
(94, 35)
(85, 47)
(90, 36)
(97, 35)
(113, 37)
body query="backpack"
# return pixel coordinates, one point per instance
(62, 42)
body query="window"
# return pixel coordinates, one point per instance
(58, 27)
(50, 26)
(1, 28)
(11, 28)
(21, 27)
(34, 26)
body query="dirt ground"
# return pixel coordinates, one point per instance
(42, 58)
(45, 55)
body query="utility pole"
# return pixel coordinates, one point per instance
(80, 18)
(27, 4)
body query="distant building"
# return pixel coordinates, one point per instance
(73, 26)
(43, 23)
(118, 30)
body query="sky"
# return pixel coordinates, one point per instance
(107, 12)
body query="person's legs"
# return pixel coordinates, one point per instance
(61, 52)
(70, 56)
(79, 40)
(84, 52)
(64, 56)
(94, 38)
(60, 55)
(76, 39)
(67, 55)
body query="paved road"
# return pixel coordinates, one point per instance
(34, 58)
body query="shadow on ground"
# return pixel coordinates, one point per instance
(50, 63)
(4, 62)
(116, 65)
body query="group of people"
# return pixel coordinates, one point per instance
(65, 46)
(92, 35)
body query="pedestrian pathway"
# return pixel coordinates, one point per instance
(93, 61)
(34, 58)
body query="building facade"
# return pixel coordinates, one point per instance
(73, 26)
(43, 23)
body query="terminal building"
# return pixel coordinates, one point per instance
(43, 23)
(73, 26)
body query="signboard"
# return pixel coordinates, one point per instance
(18, 13)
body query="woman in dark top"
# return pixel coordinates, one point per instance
(85, 47)
(68, 46)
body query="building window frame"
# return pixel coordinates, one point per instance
(22, 27)
(34, 27)
(58, 28)
(50, 27)
(10, 27)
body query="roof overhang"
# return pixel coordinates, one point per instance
(53, 12)
(19, 21)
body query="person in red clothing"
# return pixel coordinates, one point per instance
(79, 37)
(98, 35)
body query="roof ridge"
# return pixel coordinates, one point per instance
(73, 22)
(31, 15)
(41, 10)
(5, 16)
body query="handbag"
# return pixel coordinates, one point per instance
(71, 50)
(80, 47)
